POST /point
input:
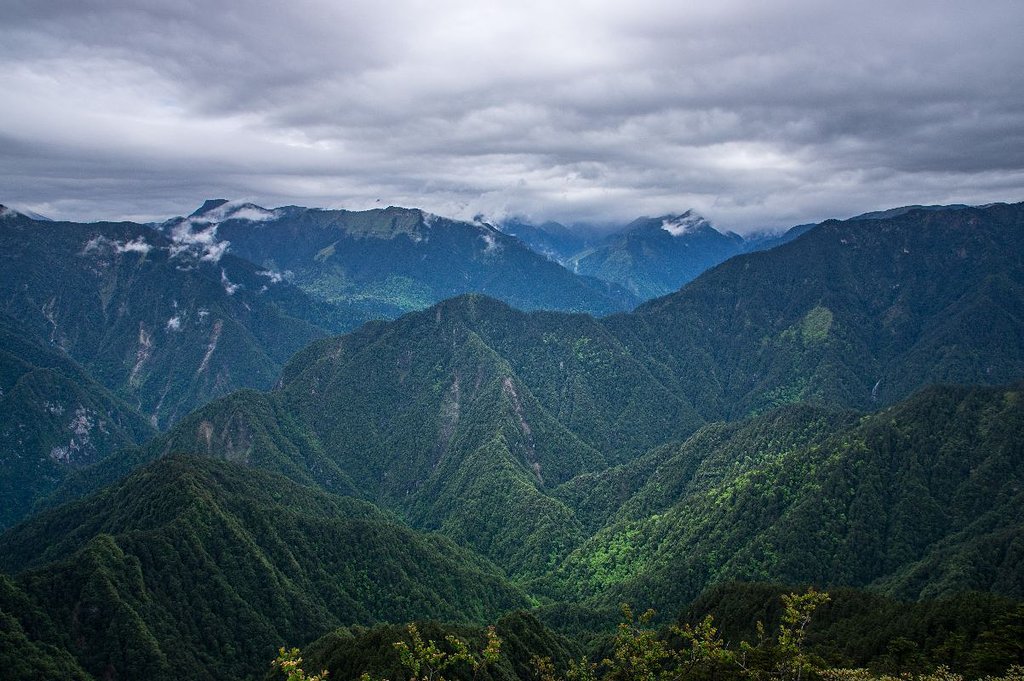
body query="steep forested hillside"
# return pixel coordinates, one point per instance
(858, 313)
(463, 418)
(54, 418)
(919, 500)
(165, 323)
(194, 568)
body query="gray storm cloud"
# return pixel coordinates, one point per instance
(756, 114)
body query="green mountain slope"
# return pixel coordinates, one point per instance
(901, 500)
(859, 313)
(394, 260)
(655, 256)
(165, 323)
(463, 418)
(499, 427)
(195, 568)
(54, 419)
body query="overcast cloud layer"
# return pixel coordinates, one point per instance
(754, 113)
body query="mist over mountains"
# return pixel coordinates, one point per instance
(247, 427)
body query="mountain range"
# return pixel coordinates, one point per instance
(843, 409)
(152, 321)
(649, 257)
(385, 262)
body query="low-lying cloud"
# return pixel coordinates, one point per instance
(198, 238)
(755, 114)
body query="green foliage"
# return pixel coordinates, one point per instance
(425, 661)
(861, 629)
(797, 612)
(1014, 673)
(815, 326)
(288, 662)
(640, 652)
(907, 499)
(22, 654)
(503, 651)
(208, 564)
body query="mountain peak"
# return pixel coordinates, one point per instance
(11, 211)
(220, 210)
(209, 205)
(684, 223)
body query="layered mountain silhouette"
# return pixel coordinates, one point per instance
(388, 261)
(843, 409)
(650, 257)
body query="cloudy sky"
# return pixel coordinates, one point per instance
(756, 113)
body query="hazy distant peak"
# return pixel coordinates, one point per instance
(684, 223)
(903, 210)
(221, 210)
(432, 220)
(208, 205)
(10, 211)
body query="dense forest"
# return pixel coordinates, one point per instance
(806, 463)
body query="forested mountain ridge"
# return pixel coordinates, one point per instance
(859, 313)
(474, 400)
(920, 500)
(776, 419)
(385, 262)
(54, 418)
(196, 568)
(165, 323)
